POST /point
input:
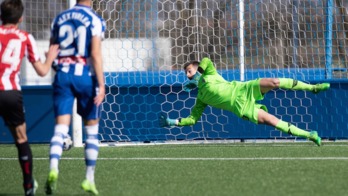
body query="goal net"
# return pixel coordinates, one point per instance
(147, 43)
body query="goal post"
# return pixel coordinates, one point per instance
(77, 127)
(241, 48)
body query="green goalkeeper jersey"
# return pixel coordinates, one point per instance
(215, 91)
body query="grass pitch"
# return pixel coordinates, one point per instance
(299, 168)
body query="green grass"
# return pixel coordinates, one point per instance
(198, 169)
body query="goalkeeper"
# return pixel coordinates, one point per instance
(239, 98)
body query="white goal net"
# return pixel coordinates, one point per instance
(148, 41)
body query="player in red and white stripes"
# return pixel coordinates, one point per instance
(14, 45)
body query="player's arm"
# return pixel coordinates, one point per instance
(195, 115)
(41, 68)
(98, 67)
(206, 66)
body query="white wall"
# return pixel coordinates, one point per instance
(118, 55)
(136, 54)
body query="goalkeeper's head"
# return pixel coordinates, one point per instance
(192, 69)
(193, 74)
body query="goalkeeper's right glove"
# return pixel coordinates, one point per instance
(189, 85)
(164, 121)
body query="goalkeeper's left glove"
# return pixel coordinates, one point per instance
(164, 121)
(192, 83)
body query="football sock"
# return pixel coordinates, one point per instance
(287, 83)
(90, 173)
(291, 129)
(26, 161)
(91, 151)
(56, 148)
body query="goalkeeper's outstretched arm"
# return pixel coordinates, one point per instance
(195, 115)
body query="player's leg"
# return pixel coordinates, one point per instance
(91, 114)
(12, 111)
(25, 158)
(269, 119)
(56, 149)
(91, 155)
(63, 103)
(267, 84)
(287, 83)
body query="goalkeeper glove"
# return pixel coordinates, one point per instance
(192, 83)
(188, 86)
(164, 121)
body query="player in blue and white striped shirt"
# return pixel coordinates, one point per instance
(79, 32)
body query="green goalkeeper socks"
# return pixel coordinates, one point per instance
(287, 83)
(291, 129)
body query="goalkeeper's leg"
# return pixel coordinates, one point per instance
(292, 84)
(267, 84)
(269, 119)
(56, 149)
(91, 155)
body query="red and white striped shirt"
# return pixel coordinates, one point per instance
(14, 44)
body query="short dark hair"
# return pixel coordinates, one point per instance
(11, 11)
(189, 63)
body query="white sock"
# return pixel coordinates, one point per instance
(90, 173)
(91, 151)
(56, 148)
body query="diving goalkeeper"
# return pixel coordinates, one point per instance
(239, 98)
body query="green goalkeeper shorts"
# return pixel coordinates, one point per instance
(250, 92)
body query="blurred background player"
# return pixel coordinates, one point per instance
(79, 32)
(239, 98)
(14, 44)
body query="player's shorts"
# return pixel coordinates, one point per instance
(251, 92)
(67, 87)
(11, 107)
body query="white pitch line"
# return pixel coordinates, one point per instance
(198, 158)
(233, 159)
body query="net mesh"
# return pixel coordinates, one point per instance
(147, 42)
